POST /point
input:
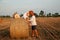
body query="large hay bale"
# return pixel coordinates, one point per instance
(19, 28)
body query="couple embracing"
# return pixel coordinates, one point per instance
(31, 19)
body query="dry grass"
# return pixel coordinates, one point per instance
(49, 29)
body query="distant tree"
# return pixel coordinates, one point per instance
(56, 14)
(36, 14)
(49, 15)
(21, 15)
(41, 13)
(8, 16)
(53, 15)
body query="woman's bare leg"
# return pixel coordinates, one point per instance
(36, 32)
(33, 33)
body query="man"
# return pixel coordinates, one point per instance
(33, 24)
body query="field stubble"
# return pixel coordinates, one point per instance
(48, 28)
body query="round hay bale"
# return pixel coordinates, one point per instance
(19, 28)
(16, 15)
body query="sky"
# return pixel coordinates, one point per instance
(8, 7)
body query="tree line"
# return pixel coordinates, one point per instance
(40, 14)
(7, 16)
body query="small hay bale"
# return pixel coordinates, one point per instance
(19, 28)
(16, 15)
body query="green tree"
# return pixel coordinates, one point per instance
(41, 13)
(56, 14)
(49, 15)
(7, 16)
(21, 15)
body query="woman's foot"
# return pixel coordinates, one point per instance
(33, 36)
(37, 36)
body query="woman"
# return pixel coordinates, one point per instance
(33, 24)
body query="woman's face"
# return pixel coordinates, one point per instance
(31, 13)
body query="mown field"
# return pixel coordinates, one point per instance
(48, 28)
